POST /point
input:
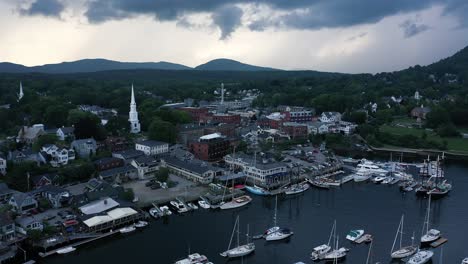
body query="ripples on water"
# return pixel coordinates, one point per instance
(375, 208)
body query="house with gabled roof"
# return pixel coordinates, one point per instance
(22, 202)
(64, 133)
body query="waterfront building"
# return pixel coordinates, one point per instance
(194, 170)
(146, 166)
(119, 174)
(152, 147)
(133, 115)
(23, 224)
(112, 219)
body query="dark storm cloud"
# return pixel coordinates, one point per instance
(297, 14)
(411, 28)
(227, 18)
(51, 8)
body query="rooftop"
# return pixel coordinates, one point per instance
(152, 143)
(210, 136)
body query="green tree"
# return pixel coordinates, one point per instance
(43, 140)
(163, 174)
(117, 126)
(162, 131)
(437, 117)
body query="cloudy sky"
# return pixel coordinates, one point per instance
(326, 35)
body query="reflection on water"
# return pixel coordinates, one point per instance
(375, 208)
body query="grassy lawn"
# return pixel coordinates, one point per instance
(453, 144)
(408, 121)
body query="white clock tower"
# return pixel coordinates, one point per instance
(133, 116)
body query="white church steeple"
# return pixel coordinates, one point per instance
(20, 94)
(133, 115)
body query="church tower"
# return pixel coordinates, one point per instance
(133, 115)
(21, 94)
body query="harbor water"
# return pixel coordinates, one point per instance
(375, 208)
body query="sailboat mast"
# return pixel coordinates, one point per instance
(428, 213)
(331, 233)
(369, 253)
(232, 235)
(396, 237)
(238, 224)
(276, 209)
(401, 231)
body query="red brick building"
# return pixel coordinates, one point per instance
(212, 147)
(196, 113)
(226, 118)
(295, 130)
(108, 163)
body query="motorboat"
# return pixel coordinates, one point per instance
(192, 206)
(353, 235)
(203, 204)
(421, 257)
(277, 233)
(465, 261)
(361, 176)
(440, 189)
(65, 250)
(319, 251)
(141, 224)
(378, 179)
(236, 202)
(257, 190)
(371, 167)
(387, 180)
(239, 250)
(402, 251)
(155, 212)
(431, 235)
(297, 188)
(179, 207)
(127, 229)
(194, 258)
(165, 210)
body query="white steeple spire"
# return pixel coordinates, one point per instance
(21, 94)
(133, 115)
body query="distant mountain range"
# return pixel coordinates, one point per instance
(96, 65)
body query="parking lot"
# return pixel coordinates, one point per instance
(184, 189)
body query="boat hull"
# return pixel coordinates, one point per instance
(239, 251)
(404, 252)
(257, 191)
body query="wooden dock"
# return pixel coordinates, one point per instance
(439, 242)
(48, 253)
(366, 238)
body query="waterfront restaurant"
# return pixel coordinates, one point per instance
(112, 219)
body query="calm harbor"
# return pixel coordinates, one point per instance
(375, 208)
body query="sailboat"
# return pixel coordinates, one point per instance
(430, 235)
(402, 252)
(277, 233)
(239, 250)
(236, 202)
(320, 251)
(421, 257)
(337, 253)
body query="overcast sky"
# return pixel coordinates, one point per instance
(326, 35)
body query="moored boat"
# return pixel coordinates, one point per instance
(203, 204)
(402, 252)
(297, 188)
(239, 250)
(257, 190)
(127, 229)
(465, 261)
(277, 233)
(236, 202)
(66, 250)
(431, 235)
(421, 257)
(194, 258)
(354, 235)
(141, 224)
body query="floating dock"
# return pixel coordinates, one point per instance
(439, 242)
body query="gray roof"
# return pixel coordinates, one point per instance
(118, 170)
(129, 153)
(84, 141)
(145, 160)
(24, 221)
(152, 143)
(195, 166)
(20, 197)
(106, 160)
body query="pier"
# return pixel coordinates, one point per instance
(52, 252)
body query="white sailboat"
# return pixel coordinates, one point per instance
(320, 251)
(239, 250)
(402, 252)
(337, 253)
(277, 233)
(430, 235)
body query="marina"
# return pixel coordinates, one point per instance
(309, 213)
